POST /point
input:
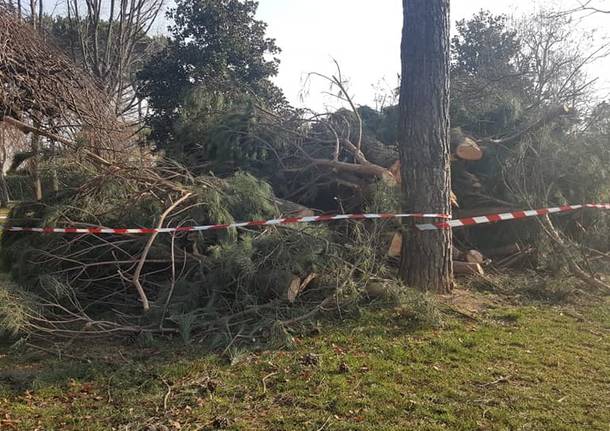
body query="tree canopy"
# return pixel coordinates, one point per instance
(216, 48)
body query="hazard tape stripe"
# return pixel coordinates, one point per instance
(255, 223)
(515, 215)
(449, 224)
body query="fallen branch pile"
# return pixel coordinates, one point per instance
(223, 285)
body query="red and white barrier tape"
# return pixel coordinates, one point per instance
(449, 224)
(275, 222)
(515, 215)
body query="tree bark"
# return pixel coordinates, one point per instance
(424, 140)
(33, 13)
(4, 196)
(35, 166)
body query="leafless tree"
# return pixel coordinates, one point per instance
(588, 7)
(44, 94)
(36, 12)
(555, 57)
(111, 42)
(12, 141)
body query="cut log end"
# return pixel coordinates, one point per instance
(467, 268)
(395, 171)
(395, 245)
(454, 200)
(475, 256)
(469, 150)
(470, 256)
(292, 209)
(297, 286)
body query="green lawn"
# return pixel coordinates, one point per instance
(517, 367)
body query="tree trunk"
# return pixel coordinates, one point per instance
(424, 140)
(33, 12)
(40, 13)
(4, 196)
(35, 167)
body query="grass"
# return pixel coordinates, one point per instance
(518, 367)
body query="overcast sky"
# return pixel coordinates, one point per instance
(364, 36)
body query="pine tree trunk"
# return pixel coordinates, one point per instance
(424, 140)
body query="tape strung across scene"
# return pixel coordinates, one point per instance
(274, 222)
(449, 224)
(514, 215)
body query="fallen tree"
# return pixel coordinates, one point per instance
(100, 285)
(215, 285)
(222, 286)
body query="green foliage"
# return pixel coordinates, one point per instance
(560, 164)
(259, 268)
(242, 197)
(500, 86)
(185, 323)
(194, 280)
(217, 48)
(487, 86)
(248, 196)
(20, 187)
(213, 135)
(94, 203)
(485, 46)
(383, 198)
(14, 308)
(382, 124)
(235, 137)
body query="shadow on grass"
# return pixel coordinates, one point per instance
(39, 366)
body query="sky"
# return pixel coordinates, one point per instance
(364, 37)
